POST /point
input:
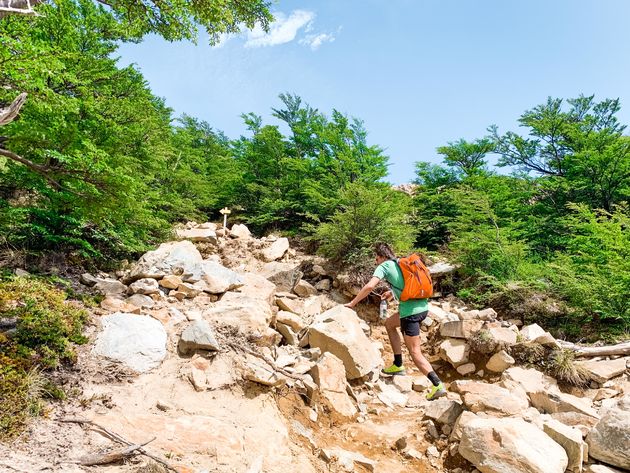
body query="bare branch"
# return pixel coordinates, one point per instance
(7, 115)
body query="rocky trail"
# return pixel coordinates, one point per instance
(228, 353)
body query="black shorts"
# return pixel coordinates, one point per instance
(410, 325)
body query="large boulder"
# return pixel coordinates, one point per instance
(570, 439)
(551, 402)
(531, 380)
(251, 316)
(176, 257)
(257, 287)
(219, 279)
(531, 332)
(330, 375)
(509, 445)
(490, 398)
(207, 235)
(136, 341)
(284, 275)
(602, 371)
(339, 332)
(609, 441)
(277, 250)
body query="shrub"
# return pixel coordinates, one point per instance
(368, 214)
(46, 326)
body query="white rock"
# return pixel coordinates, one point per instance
(144, 286)
(136, 341)
(532, 332)
(339, 332)
(197, 234)
(240, 231)
(218, 278)
(509, 445)
(277, 250)
(568, 438)
(330, 375)
(180, 258)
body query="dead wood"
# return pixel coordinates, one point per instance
(92, 459)
(7, 115)
(608, 350)
(114, 436)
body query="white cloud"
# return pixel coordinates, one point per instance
(316, 40)
(282, 30)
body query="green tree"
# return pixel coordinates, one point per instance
(174, 19)
(468, 158)
(367, 214)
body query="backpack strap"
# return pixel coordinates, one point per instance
(395, 260)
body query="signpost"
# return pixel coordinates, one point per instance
(225, 211)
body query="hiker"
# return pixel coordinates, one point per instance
(409, 316)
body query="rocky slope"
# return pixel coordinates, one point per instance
(235, 354)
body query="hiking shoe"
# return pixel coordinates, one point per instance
(394, 370)
(436, 392)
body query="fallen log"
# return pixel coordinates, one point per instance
(118, 438)
(608, 350)
(112, 456)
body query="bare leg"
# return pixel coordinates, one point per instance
(413, 345)
(391, 325)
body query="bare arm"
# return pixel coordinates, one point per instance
(363, 293)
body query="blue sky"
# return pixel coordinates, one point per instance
(419, 73)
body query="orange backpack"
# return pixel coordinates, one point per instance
(418, 284)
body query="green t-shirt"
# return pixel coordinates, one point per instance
(390, 272)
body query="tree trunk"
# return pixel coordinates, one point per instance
(609, 350)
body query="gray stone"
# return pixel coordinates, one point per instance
(284, 275)
(461, 328)
(141, 300)
(197, 336)
(609, 441)
(180, 258)
(87, 279)
(144, 286)
(455, 351)
(109, 287)
(444, 411)
(218, 278)
(137, 341)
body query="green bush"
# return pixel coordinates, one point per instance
(47, 325)
(368, 214)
